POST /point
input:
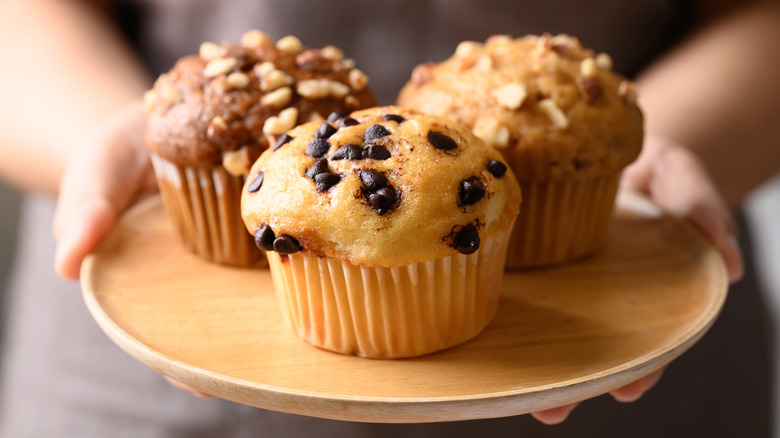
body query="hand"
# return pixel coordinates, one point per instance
(107, 173)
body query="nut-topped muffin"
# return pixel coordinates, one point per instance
(385, 228)
(214, 113)
(566, 123)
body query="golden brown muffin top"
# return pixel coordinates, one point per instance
(556, 110)
(229, 102)
(379, 187)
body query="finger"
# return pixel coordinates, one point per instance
(555, 415)
(102, 178)
(634, 391)
(178, 385)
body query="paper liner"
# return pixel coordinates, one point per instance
(204, 205)
(386, 313)
(561, 221)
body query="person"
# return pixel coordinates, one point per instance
(71, 81)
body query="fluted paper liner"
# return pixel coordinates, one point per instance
(381, 312)
(204, 205)
(561, 221)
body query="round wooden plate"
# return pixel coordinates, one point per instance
(561, 335)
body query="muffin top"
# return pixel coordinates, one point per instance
(555, 110)
(379, 187)
(227, 104)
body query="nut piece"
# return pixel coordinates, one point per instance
(265, 68)
(255, 38)
(422, 74)
(215, 125)
(149, 98)
(321, 88)
(315, 117)
(283, 122)
(236, 162)
(351, 102)
(337, 89)
(555, 113)
(219, 66)
(489, 130)
(588, 67)
(604, 61)
(628, 92)
(237, 80)
(467, 48)
(357, 79)
(277, 98)
(275, 79)
(510, 95)
(332, 53)
(484, 63)
(169, 94)
(290, 44)
(348, 63)
(209, 51)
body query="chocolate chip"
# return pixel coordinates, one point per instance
(319, 166)
(471, 191)
(372, 180)
(256, 184)
(264, 237)
(336, 116)
(381, 203)
(375, 132)
(376, 152)
(497, 168)
(394, 117)
(349, 121)
(324, 181)
(317, 148)
(284, 139)
(467, 240)
(348, 152)
(325, 131)
(441, 141)
(286, 245)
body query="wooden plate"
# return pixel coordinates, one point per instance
(561, 335)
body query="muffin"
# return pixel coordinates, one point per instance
(386, 230)
(213, 114)
(565, 122)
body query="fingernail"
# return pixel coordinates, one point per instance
(62, 254)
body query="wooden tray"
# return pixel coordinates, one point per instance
(561, 335)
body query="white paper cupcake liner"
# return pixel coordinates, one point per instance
(561, 221)
(381, 312)
(204, 205)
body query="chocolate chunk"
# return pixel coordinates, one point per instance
(256, 184)
(264, 237)
(381, 203)
(376, 152)
(319, 166)
(471, 191)
(348, 152)
(394, 117)
(590, 88)
(387, 191)
(375, 132)
(467, 240)
(317, 148)
(336, 116)
(284, 139)
(325, 131)
(286, 245)
(349, 121)
(497, 168)
(324, 181)
(441, 141)
(372, 180)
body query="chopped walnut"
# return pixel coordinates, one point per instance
(628, 92)
(290, 44)
(275, 79)
(510, 95)
(588, 67)
(210, 51)
(219, 66)
(277, 98)
(236, 162)
(283, 122)
(491, 131)
(332, 53)
(555, 113)
(467, 48)
(357, 79)
(255, 38)
(604, 61)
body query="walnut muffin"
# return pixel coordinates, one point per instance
(385, 230)
(214, 113)
(566, 123)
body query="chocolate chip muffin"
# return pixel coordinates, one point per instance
(566, 123)
(214, 113)
(385, 229)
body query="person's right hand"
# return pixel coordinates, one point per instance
(108, 172)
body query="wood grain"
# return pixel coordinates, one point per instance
(561, 335)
